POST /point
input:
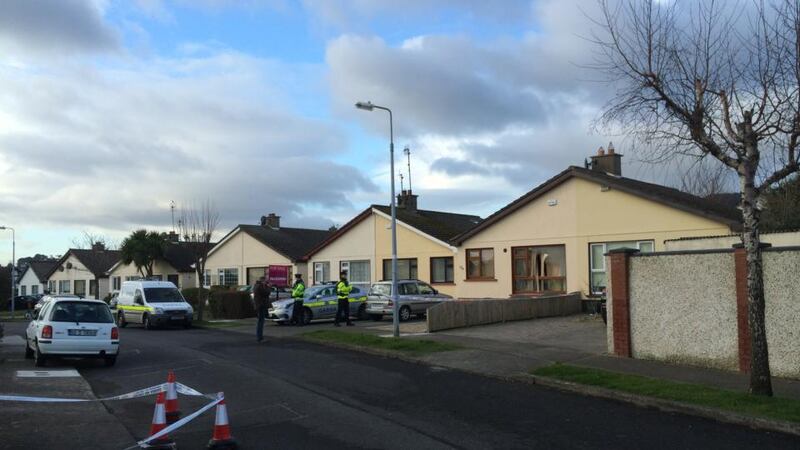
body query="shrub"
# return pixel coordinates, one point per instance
(227, 304)
(192, 295)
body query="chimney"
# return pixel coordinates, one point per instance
(271, 221)
(98, 246)
(173, 236)
(609, 162)
(407, 200)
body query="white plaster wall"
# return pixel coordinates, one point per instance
(683, 309)
(782, 292)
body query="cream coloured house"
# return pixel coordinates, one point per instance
(83, 272)
(247, 251)
(553, 238)
(362, 247)
(176, 266)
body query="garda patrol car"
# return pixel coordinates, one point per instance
(152, 303)
(320, 302)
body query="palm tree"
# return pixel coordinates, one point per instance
(142, 248)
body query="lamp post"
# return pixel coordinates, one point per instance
(13, 266)
(368, 106)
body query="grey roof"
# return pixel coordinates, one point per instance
(180, 255)
(662, 194)
(96, 261)
(293, 243)
(441, 225)
(41, 269)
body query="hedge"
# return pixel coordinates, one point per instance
(192, 295)
(231, 305)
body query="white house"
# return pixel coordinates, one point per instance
(34, 278)
(83, 272)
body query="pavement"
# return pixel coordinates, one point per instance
(290, 394)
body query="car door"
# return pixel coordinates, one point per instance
(330, 303)
(138, 303)
(408, 295)
(356, 299)
(427, 296)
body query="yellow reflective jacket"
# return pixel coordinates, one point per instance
(343, 289)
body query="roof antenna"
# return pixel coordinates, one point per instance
(407, 152)
(172, 210)
(401, 182)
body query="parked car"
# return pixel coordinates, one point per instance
(46, 298)
(72, 327)
(282, 293)
(414, 296)
(152, 303)
(319, 302)
(23, 302)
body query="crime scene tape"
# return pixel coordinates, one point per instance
(144, 392)
(143, 443)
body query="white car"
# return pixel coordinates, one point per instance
(73, 328)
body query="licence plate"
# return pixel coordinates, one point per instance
(82, 332)
(176, 318)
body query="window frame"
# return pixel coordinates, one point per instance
(322, 265)
(604, 245)
(82, 283)
(223, 276)
(349, 264)
(414, 266)
(481, 277)
(68, 284)
(447, 259)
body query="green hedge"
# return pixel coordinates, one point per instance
(231, 305)
(192, 295)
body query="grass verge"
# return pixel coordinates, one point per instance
(218, 324)
(19, 316)
(410, 346)
(695, 394)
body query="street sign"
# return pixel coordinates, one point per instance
(279, 275)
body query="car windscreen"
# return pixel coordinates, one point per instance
(163, 295)
(313, 291)
(381, 289)
(81, 312)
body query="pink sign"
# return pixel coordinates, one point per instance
(278, 275)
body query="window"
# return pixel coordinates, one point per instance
(174, 279)
(597, 261)
(322, 272)
(229, 277)
(35, 289)
(51, 287)
(116, 282)
(163, 295)
(539, 269)
(357, 271)
(406, 269)
(207, 278)
(480, 264)
(93, 288)
(80, 288)
(133, 278)
(23, 290)
(424, 289)
(63, 286)
(442, 270)
(81, 312)
(408, 289)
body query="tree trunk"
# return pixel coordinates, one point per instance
(201, 294)
(760, 378)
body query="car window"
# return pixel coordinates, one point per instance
(355, 290)
(327, 292)
(408, 289)
(163, 295)
(424, 289)
(81, 312)
(381, 289)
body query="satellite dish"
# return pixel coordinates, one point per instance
(61, 268)
(69, 265)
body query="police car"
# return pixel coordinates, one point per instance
(320, 302)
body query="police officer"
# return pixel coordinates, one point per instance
(343, 289)
(298, 291)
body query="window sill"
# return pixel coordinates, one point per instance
(480, 279)
(443, 283)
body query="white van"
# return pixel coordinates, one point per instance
(152, 303)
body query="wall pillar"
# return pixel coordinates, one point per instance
(742, 321)
(618, 275)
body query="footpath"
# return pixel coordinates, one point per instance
(512, 351)
(18, 376)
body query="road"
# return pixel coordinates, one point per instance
(289, 394)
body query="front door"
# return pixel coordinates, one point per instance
(539, 269)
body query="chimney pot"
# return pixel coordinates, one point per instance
(272, 220)
(607, 162)
(610, 148)
(601, 151)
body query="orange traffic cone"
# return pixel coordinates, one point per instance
(173, 413)
(221, 439)
(159, 423)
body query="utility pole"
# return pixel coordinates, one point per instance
(407, 152)
(13, 266)
(172, 210)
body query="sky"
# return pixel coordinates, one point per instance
(112, 110)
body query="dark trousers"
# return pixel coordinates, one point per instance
(261, 313)
(297, 312)
(343, 311)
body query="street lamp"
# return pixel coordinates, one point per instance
(13, 266)
(368, 106)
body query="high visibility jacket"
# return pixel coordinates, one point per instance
(298, 290)
(343, 290)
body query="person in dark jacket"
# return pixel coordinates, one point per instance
(261, 293)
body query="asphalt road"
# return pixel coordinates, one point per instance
(285, 394)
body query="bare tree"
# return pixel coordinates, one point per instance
(705, 179)
(711, 78)
(196, 226)
(89, 240)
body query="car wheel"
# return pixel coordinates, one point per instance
(39, 359)
(307, 316)
(28, 351)
(121, 320)
(362, 312)
(146, 322)
(405, 313)
(109, 361)
(376, 317)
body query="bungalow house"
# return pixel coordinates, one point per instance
(34, 278)
(553, 238)
(363, 248)
(83, 272)
(244, 254)
(176, 266)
